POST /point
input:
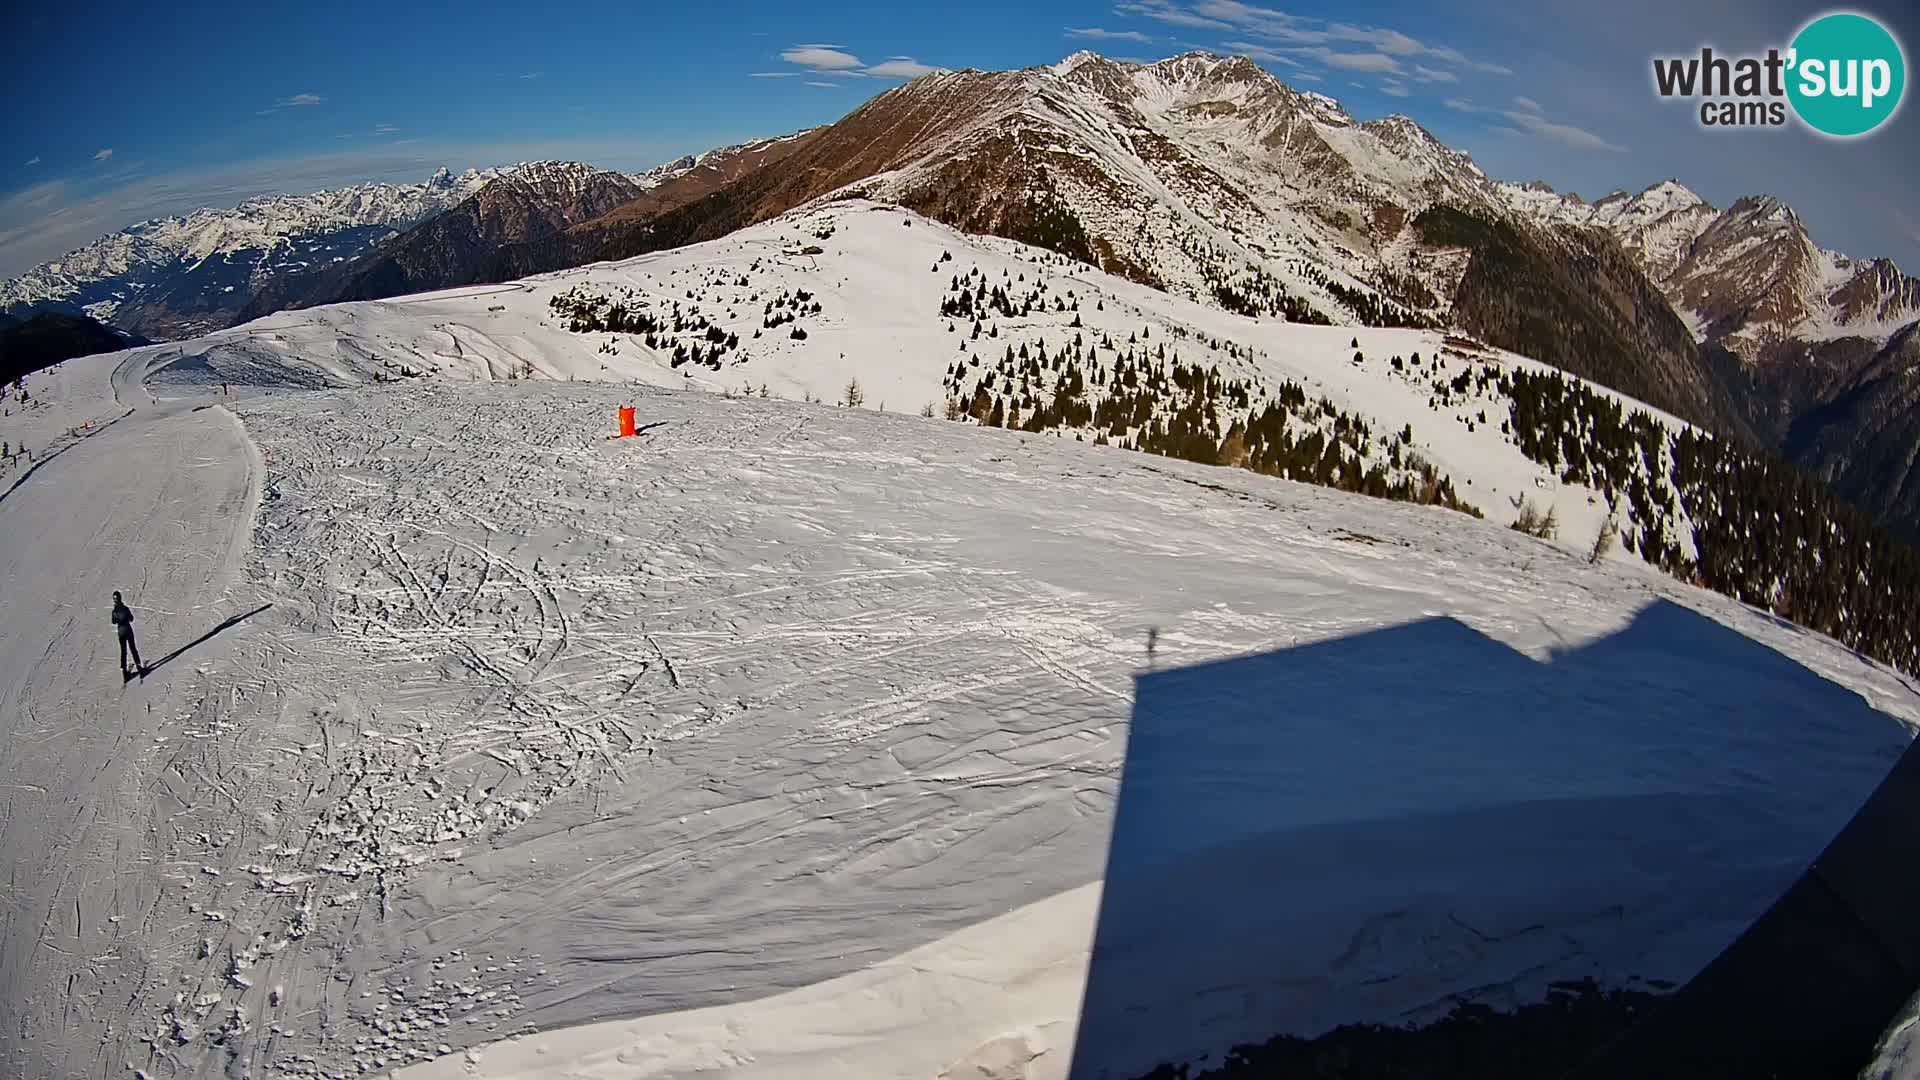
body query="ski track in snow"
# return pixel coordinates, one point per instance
(544, 729)
(114, 794)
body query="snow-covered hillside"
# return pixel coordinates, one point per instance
(878, 278)
(806, 733)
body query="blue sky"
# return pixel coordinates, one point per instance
(121, 112)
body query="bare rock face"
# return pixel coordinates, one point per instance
(528, 203)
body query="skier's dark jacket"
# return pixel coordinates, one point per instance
(123, 618)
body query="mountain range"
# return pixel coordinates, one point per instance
(175, 277)
(1200, 175)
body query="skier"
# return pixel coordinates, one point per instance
(123, 618)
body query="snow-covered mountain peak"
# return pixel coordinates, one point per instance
(1657, 203)
(561, 179)
(1204, 77)
(1324, 101)
(1405, 134)
(1670, 195)
(1768, 209)
(1073, 63)
(659, 174)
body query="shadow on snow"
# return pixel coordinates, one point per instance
(203, 638)
(1377, 828)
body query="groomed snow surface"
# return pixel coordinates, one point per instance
(826, 742)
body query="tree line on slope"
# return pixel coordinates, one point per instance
(1582, 306)
(1137, 395)
(1762, 531)
(688, 334)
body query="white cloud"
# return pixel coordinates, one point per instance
(821, 57)
(1432, 75)
(1455, 56)
(1394, 89)
(1096, 33)
(35, 160)
(1397, 43)
(1306, 76)
(1374, 62)
(1310, 37)
(835, 61)
(1386, 41)
(1261, 20)
(531, 75)
(294, 102)
(384, 129)
(1529, 121)
(33, 229)
(816, 82)
(40, 194)
(901, 67)
(1564, 134)
(1262, 53)
(1168, 13)
(102, 155)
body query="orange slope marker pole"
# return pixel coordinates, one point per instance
(626, 421)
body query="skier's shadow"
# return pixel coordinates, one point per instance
(203, 638)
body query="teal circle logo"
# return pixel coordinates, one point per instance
(1847, 75)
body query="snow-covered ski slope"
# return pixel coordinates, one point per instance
(879, 283)
(803, 732)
